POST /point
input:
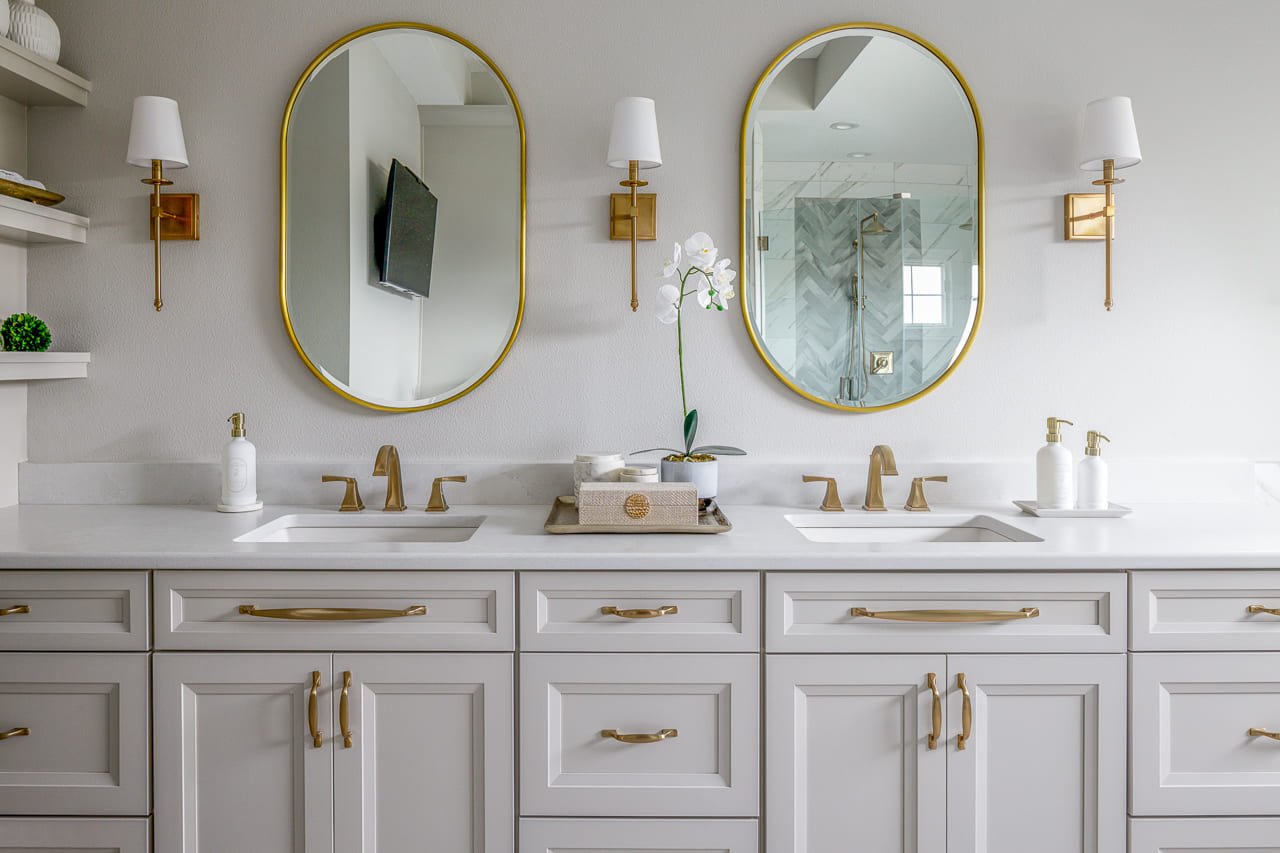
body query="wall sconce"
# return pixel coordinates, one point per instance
(633, 145)
(156, 141)
(1110, 142)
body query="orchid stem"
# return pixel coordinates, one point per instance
(684, 403)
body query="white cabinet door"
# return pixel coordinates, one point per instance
(74, 835)
(430, 762)
(849, 764)
(1205, 835)
(1044, 766)
(629, 835)
(1198, 743)
(236, 765)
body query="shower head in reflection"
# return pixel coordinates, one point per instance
(967, 225)
(876, 227)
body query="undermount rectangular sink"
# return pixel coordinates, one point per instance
(355, 528)
(899, 529)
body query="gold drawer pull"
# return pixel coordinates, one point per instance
(937, 711)
(20, 731)
(1270, 611)
(654, 738)
(641, 613)
(14, 610)
(1264, 733)
(966, 712)
(344, 711)
(946, 615)
(332, 614)
(313, 711)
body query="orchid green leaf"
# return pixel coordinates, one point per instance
(719, 450)
(690, 429)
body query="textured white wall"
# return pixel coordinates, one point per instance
(1182, 367)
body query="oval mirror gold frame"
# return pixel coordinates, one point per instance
(284, 201)
(766, 77)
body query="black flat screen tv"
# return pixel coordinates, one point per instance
(406, 233)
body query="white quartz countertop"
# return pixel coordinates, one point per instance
(1155, 536)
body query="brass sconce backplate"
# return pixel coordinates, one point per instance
(1076, 205)
(182, 217)
(620, 216)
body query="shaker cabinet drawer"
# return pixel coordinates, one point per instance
(285, 611)
(74, 835)
(80, 611)
(640, 735)
(640, 611)
(622, 835)
(856, 612)
(1199, 734)
(1206, 611)
(76, 738)
(1204, 835)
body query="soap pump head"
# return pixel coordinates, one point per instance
(1055, 431)
(237, 425)
(1091, 447)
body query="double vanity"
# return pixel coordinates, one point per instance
(304, 679)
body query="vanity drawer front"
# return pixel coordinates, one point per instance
(1206, 611)
(1204, 835)
(73, 611)
(639, 836)
(1190, 722)
(707, 765)
(80, 734)
(698, 612)
(75, 835)
(472, 611)
(1066, 612)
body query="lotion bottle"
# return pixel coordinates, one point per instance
(239, 471)
(1093, 475)
(1054, 480)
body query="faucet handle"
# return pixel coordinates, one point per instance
(437, 503)
(351, 501)
(831, 500)
(916, 501)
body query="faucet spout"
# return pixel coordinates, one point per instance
(882, 464)
(387, 465)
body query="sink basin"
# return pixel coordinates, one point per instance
(365, 528)
(898, 529)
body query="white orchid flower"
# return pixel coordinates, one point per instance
(700, 251)
(668, 310)
(722, 275)
(671, 266)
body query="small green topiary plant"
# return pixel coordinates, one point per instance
(25, 333)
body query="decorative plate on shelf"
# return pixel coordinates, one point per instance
(30, 193)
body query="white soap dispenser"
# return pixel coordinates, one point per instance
(1093, 475)
(239, 471)
(1054, 480)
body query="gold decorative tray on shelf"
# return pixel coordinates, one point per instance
(564, 519)
(28, 193)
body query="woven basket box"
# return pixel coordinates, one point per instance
(639, 504)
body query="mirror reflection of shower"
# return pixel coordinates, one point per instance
(855, 382)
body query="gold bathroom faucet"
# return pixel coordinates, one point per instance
(882, 464)
(388, 465)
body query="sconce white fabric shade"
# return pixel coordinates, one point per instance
(1109, 134)
(635, 134)
(156, 133)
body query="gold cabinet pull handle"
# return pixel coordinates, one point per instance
(946, 615)
(1270, 611)
(643, 738)
(313, 711)
(1264, 733)
(332, 614)
(641, 613)
(936, 734)
(966, 712)
(20, 731)
(14, 610)
(344, 712)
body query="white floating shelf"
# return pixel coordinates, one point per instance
(30, 79)
(22, 366)
(27, 222)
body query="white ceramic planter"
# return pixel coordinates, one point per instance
(31, 27)
(704, 475)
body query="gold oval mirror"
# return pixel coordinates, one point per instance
(402, 205)
(862, 217)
